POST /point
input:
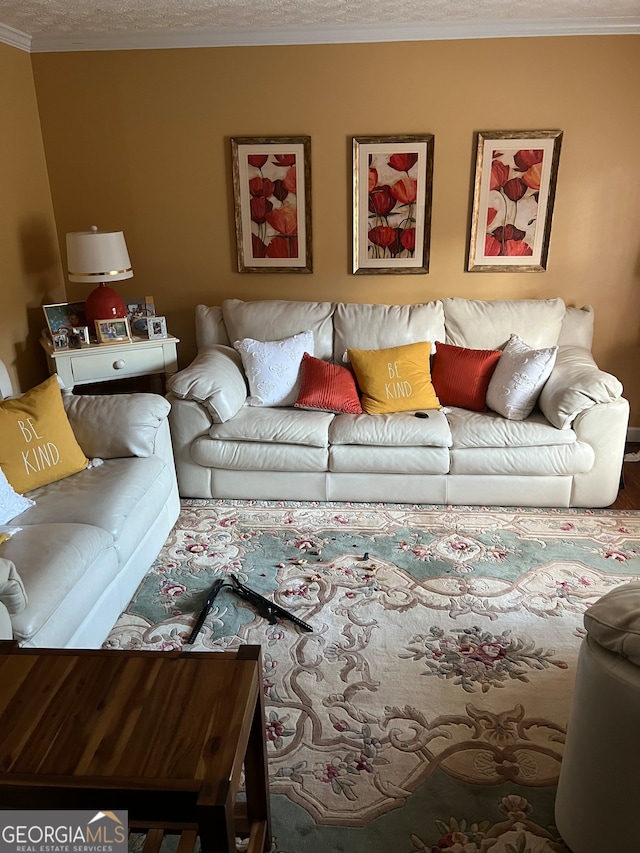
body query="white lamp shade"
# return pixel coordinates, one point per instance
(94, 256)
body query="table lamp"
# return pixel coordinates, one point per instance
(98, 257)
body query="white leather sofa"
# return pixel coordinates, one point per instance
(84, 547)
(599, 783)
(568, 452)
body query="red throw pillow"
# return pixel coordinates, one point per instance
(327, 386)
(461, 376)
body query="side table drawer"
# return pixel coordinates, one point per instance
(114, 365)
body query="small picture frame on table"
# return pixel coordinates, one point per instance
(60, 339)
(139, 308)
(113, 331)
(157, 327)
(79, 337)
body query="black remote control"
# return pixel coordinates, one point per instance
(421, 415)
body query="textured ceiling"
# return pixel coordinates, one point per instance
(68, 19)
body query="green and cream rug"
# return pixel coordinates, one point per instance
(426, 712)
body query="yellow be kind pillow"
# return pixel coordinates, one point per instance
(37, 444)
(397, 379)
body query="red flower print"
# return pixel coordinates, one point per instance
(403, 162)
(517, 248)
(260, 207)
(527, 157)
(258, 248)
(408, 239)
(499, 174)
(509, 232)
(279, 190)
(285, 159)
(373, 178)
(284, 220)
(261, 187)
(514, 189)
(491, 215)
(492, 247)
(290, 180)
(532, 176)
(405, 190)
(381, 201)
(257, 160)
(382, 235)
(283, 247)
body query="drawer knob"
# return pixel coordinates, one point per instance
(118, 365)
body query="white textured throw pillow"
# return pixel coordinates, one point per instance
(519, 378)
(273, 368)
(11, 503)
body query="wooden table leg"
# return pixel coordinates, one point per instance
(255, 762)
(216, 819)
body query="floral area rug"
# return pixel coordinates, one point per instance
(427, 709)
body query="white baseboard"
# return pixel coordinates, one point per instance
(633, 434)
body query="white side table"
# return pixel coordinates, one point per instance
(105, 362)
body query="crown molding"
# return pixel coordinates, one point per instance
(338, 34)
(15, 38)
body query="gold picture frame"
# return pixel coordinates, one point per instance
(392, 192)
(113, 331)
(513, 195)
(272, 203)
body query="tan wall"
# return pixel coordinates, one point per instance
(30, 271)
(139, 140)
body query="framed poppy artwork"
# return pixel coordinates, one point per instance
(513, 195)
(272, 200)
(392, 189)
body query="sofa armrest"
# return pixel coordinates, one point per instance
(12, 593)
(117, 425)
(215, 380)
(576, 384)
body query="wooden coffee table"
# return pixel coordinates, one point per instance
(164, 735)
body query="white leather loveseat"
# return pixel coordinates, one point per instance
(567, 452)
(80, 552)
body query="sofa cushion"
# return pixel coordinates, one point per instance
(381, 326)
(489, 325)
(551, 460)
(259, 456)
(326, 386)
(273, 368)
(282, 426)
(577, 327)
(356, 459)
(215, 379)
(396, 379)
(400, 429)
(123, 497)
(518, 378)
(614, 621)
(488, 429)
(11, 503)
(37, 444)
(210, 327)
(64, 568)
(133, 419)
(274, 319)
(461, 376)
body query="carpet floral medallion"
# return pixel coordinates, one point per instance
(427, 709)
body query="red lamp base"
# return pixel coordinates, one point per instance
(103, 303)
